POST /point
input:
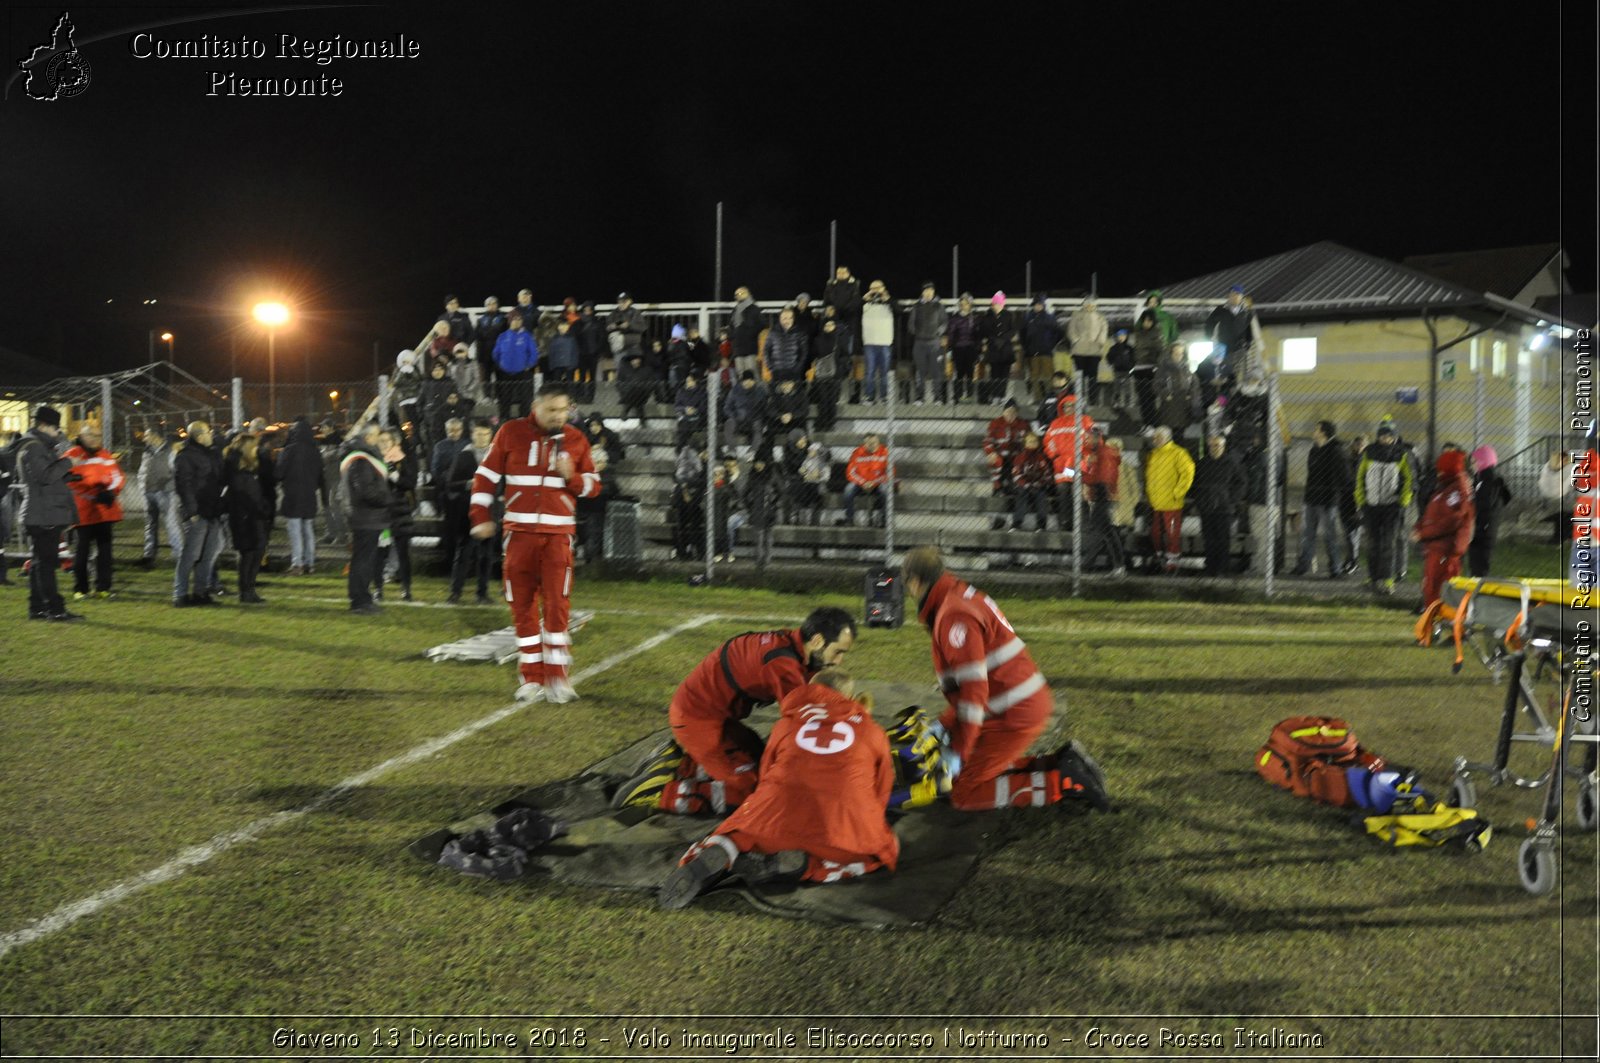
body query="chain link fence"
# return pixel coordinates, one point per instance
(853, 455)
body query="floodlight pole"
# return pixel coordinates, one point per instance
(272, 375)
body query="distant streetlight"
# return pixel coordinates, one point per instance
(272, 315)
(167, 338)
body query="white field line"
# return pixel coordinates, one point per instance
(194, 856)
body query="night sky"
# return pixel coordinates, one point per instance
(578, 149)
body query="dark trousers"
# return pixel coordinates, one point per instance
(97, 537)
(825, 394)
(475, 558)
(1381, 523)
(1065, 491)
(964, 360)
(1030, 499)
(402, 551)
(43, 596)
(1479, 553)
(515, 395)
(994, 387)
(1103, 536)
(1216, 529)
(249, 569)
(1144, 386)
(363, 565)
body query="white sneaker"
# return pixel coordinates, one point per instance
(529, 693)
(559, 692)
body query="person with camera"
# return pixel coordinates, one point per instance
(48, 509)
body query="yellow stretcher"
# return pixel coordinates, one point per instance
(1554, 626)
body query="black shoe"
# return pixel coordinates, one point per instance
(370, 609)
(202, 599)
(147, 562)
(688, 880)
(406, 597)
(785, 866)
(1081, 777)
(1300, 573)
(454, 598)
(37, 616)
(183, 603)
(64, 615)
(483, 599)
(251, 598)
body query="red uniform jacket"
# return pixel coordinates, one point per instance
(984, 669)
(756, 668)
(825, 781)
(1030, 469)
(1102, 466)
(868, 468)
(1448, 521)
(100, 472)
(1060, 441)
(1003, 440)
(522, 462)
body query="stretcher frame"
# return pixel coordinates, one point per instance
(1542, 632)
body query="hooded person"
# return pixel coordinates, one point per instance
(301, 472)
(1446, 525)
(1164, 320)
(819, 814)
(1489, 496)
(1383, 490)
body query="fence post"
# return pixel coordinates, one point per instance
(1075, 485)
(238, 400)
(709, 504)
(107, 418)
(888, 487)
(1274, 475)
(383, 399)
(1480, 406)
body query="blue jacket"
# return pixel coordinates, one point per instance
(515, 352)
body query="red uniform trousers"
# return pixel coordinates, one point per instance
(1166, 533)
(720, 764)
(1439, 566)
(538, 578)
(997, 775)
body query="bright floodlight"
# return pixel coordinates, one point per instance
(271, 314)
(1538, 341)
(166, 337)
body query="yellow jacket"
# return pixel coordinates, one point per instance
(1168, 474)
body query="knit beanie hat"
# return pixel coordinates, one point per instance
(1485, 458)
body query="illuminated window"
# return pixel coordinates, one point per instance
(1474, 356)
(1497, 365)
(1299, 354)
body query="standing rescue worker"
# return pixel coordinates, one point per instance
(543, 466)
(97, 491)
(1446, 525)
(818, 815)
(711, 762)
(998, 701)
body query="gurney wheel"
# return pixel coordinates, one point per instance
(1463, 794)
(1536, 864)
(1585, 805)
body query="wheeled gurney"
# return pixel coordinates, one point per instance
(1527, 631)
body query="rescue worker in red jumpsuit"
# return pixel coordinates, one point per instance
(542, 466)
(712, 762)
(818, 815)
(1445, 529)
(999, 701)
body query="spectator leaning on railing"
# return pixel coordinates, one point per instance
(928, 321)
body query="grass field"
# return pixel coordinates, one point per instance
(146, 732)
